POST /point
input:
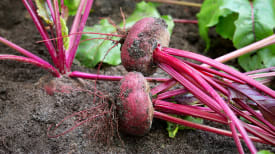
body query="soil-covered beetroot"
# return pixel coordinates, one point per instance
(142, 39)
(134, 105)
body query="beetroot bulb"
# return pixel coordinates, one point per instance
(141, 41)
(134, 105)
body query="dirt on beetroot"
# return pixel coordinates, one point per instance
(27, 110)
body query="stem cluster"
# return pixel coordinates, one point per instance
(61, 58)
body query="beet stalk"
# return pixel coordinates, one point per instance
(140, 53)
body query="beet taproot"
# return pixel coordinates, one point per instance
(142, 39)
(134, 105)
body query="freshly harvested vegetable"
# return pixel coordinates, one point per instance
(204, 83)
(97, 48)
(201, 82)
(134, 100)
(141, 41)
(142, 51)
(134, 105)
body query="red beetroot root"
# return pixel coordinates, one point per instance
(141, 41)
(135, 109)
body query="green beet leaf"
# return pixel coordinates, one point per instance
(169, 20)
(44, 11)
(264, 152)
(91, 52)
(149, 9)
(227, 21)
(173, 128)
(72, 6)
(234, 20)
(142, 10)
(65, 32)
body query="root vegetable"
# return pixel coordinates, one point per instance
(134, 105)
(141, 41)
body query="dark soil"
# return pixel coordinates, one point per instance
(26, 110)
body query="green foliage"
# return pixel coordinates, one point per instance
(234, 20)
(65, 32)
(91, 52)
(44, 11)
(142, 10)
(149, 9)
(72, 6)
(173, 128)
(264, 152)
(169, 21)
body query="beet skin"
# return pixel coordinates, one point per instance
(142, 39)
(134, 105)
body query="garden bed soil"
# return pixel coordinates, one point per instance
(27, 110)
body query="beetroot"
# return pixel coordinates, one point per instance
(134, 105)
(142, 39)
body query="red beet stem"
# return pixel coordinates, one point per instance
(42, 31)
(188, 70)
(249, 48)
(185, 21)
(49, 3)
(106, 34)
(270, 69)
(262, 75)
(202, 96)
(108, 77)
(182, 67)
(163, 86)
(30, 61)
(94, 76)
(187, 110)
(23, 51)
(60, 47)
(72, 51)
(220, 66)
(183, 3)
(171, 93)
(212, 71)
(76, 24)
(70, 35)
(254, 113)
(248, 108)
(236, 137)
(166, 117)
(260, 130)
(215, 85)
(249, 118)
(264, 137)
